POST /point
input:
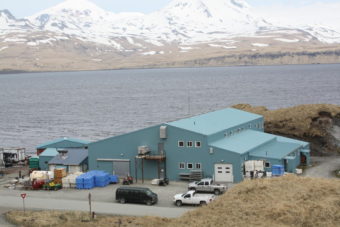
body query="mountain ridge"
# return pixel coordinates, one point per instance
(184, 30)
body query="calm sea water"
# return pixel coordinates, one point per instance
(37, 107)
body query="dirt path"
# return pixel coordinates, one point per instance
(323, 167)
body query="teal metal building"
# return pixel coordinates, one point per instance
(64, 142)
(47, 155)
(217, 144)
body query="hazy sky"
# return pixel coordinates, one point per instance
(22, 8)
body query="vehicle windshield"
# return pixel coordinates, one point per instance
(149, 193)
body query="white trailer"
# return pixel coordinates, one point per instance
(254, 168)
(12, 155)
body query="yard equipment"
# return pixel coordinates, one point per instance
(52, 186)
(128, 180)
(37, 184)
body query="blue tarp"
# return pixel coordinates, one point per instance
(91, 179)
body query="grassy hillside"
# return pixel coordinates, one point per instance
(284, 201)
(313, 123)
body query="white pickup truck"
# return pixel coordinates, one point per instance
(207, 185)
(192, 198)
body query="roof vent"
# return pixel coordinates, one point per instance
(162, 132)
(63, 154)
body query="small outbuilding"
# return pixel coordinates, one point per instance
(47, 155)
(72, 159)
(62, 143)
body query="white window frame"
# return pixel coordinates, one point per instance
(181, 163)
(192, 143)
(190, 163)
(267, 165)
(200, 165)
(199, 143)
(181, 141)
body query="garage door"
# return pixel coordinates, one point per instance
(121, 168)
(224, 173)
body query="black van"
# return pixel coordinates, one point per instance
(136, 195)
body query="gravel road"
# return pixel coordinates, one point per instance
(323, 167)
(98, 207)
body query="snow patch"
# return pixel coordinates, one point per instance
(186, 48)
(222, 46)
(149, 53)
(155, 42)
(15, 40)
(287, 40)
(260, 44)
(32, 44)
(3, 48)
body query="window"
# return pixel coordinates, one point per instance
(181, 143)
(198, 166)
(198, 144)
(182, 165)
(201, 183)
(189, 165)
(267, 165)
(189, 144)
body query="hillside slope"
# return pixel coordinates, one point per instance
(315, 123)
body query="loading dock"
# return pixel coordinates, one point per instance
(224, 173)
(119, 167)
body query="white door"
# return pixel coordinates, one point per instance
(224, 173)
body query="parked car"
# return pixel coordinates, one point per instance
(136, 195)
(207, 185)
(192, 198)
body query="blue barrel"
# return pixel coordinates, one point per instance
(278, 170)
(80, 182)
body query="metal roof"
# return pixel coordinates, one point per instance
(216, 121)
(73, 157)
(243, 141)
(289, 140)
(49, 152)
(275, 150)
(73, 140)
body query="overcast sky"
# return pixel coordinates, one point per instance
(312, 11)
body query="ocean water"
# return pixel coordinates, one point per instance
(37, 107)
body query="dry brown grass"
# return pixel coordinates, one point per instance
(284, 201)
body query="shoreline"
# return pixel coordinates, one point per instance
(16, 71)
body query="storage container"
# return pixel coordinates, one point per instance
(278, 170)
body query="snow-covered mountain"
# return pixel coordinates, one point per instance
(8, 23)
(182, 21)
(184, 30)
